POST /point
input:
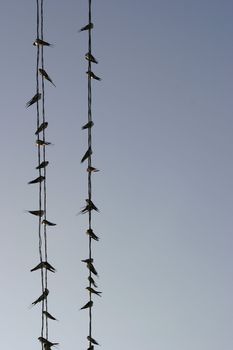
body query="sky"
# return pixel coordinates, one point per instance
(163, 142)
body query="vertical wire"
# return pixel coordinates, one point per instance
(89, 159)
(44, 158)
(39, 160)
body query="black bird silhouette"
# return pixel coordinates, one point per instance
(39, 42)
(87, 27)
(93, 76)
(34, 99)
(92, 340)
(91, 169)
(48, 315)
(41, 128)
(91, 267)
(42, 164)
(90, 206)
(42, 297)
(87, 154)
(91, 280)
(88, 125)
(45, 265)
(37, 180)
(42, 143)
(47, 342)
(49, 223)
(87, 260)
(90, 57)
(87, 305)
(92, 235)
(36, 212)
(94, 291)
(46, 76)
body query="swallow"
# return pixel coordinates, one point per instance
(87, 27)
(90, 206)
(91, 280)
(42, 165)
(93, 76)
(87, 154)
(37, 180)
(88, 125)
(90, 57)
(36, 212)
(48, 315)
(94, 291)
(93, 341)
(91, 169)
(91, 267)
(88, 260)
(42, 297)
(47, 342)
(87, 305)
(45, 265)
(43, 143)
(46, 76)
(46, 222)
(34, 99)
(39, 42)
(41, 128)
(92, 235)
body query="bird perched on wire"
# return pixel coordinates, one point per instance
(93, 291)
(86, 155)
(45, 265)
(43, 143)
(42, 164)
(87, 27)
(46, 76)
(47, 342)
(39, 42)
(43, 126)
(87, 305)
(88, 125)
(93, 76)
(90, 57)
(91, 169)
(92, 340)
(90, 206)
(91, 267)
(36, 212)
(92, 235)
(42, 297)
(48, 315)
(34, 99)
(39, 179)
(92, 281)
(48, 223)
(88, 260)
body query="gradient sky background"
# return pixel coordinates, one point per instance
(163, 141)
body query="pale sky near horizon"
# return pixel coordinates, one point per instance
(163, 141)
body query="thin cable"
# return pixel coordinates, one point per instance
(44, 158)
(89, 160)
(39, 160)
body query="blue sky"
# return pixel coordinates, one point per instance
(163, 141)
